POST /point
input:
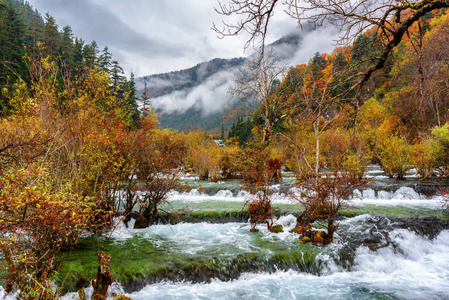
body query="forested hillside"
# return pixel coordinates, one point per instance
(398, 119)
(166, 83)
(24, 33)
(199, 97)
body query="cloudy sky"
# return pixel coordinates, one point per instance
(157, 36)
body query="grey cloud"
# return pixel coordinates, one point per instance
(94, 22)
(320, 40)
(212, 95)
(154, 36)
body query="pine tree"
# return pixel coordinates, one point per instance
(78, 61)
(34, 32)
(66, 46)
(105, 61)
(318, 64)
(145, 98)
(51, 35)
(117, 75)
(89, 54)
(12, 31)
(131, 98)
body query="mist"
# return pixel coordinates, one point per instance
(212, 96)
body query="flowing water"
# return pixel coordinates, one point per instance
(408, 267)
(371, 258)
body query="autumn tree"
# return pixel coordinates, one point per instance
(37, 221)
(58, 155)
(390, 20)
(260, 169)
(323, 199)
(420, 75)
(152, 158)
(441, 150)
(203, 155)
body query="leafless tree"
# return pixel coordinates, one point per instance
(391, 20)
(256, 83)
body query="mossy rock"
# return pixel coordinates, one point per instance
(254, 230)
(319, 237)
(305, 240)
(122, 297)
(277, 228)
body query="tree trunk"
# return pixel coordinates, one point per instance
(317, 155)
(103, 279)
(144, 219)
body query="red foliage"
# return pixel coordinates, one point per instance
(259, 210)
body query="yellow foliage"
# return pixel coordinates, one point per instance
(204, 155)
(372, 114)
(393, 153)
(392, 125)
(422, 155)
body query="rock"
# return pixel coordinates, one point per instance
(319, 237)
(305, 239)
(122, 297)
(277, 228)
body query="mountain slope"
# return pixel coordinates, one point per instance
(198, 97)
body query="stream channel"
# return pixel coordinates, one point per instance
(392, 244)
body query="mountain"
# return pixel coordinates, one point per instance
(166, 83)
(198, 97)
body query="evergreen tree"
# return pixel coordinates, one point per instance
(51, 35)
(66, 46)
(241, 129)
(89, 54)
(35, 31)
(12, 31)
(318, 64)
(117, 75)
(131, 98)
(78, 61)
(105, 61)
(145, 98)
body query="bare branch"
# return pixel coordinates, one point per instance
(390, 20)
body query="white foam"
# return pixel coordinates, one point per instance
(415, 268)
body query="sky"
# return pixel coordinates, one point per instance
(157, 36)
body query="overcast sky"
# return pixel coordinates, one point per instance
(155, 36)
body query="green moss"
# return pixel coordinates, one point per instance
(394, 211)
(232, 211)
(154, 258)
(151, 259)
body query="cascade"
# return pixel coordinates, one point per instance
(374, 255)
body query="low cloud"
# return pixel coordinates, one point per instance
(211, 96)
(320, 40)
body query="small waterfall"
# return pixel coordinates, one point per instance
(413, 268)
(372, 257)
